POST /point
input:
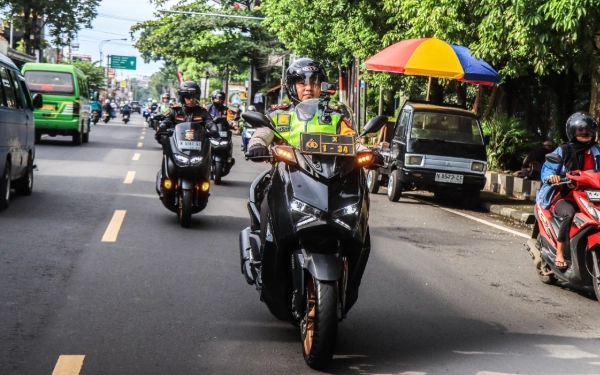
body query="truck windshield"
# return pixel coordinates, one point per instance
(446, 127)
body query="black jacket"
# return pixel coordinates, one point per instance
(179, 113)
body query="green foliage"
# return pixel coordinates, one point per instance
(93, 72)
(60, 17)
(508, 139)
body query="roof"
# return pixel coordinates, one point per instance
(52, 67)
(440, 108)
(6, 60)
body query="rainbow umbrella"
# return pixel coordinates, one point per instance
(434, 58)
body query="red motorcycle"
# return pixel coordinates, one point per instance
(582, 252)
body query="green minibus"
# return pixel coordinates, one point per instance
(66, 109)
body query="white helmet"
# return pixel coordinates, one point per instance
(106, 101)
(154, 101)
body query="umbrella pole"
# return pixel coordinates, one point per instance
(428, 88)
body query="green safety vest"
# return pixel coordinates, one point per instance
(290, 127)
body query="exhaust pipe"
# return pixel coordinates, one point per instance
(536, 255)
(245, 256)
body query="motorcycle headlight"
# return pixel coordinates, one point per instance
(181, 160)
(347, 213)
(590, 209)
(196, 160)
(224, 143)
(308, 213)
(214, 142)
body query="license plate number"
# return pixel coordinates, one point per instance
(593, 195)
(327, 144)
(223, 134)
(189, 145)
(451, 178)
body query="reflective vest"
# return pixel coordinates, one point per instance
(290, 127)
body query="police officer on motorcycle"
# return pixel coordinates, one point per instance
(187, 109)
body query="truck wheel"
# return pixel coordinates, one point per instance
(24, 185)
(77, 138)
(5, 187)
(394, 187)
(373, 181)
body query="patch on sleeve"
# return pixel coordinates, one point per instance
(179, 118)
(197, 118)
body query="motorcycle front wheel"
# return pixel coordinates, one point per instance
(185, 208)
(318, 329)
(596, 275)
(218, 172)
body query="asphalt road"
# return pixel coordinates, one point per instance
(442, 293)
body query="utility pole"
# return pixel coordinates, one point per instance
(282, 78)
(107, 79)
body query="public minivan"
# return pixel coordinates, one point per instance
(67, 108)
(438, 148)
(17, 150)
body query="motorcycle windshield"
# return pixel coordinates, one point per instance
(307, 109)
(189, 138)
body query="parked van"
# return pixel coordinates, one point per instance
(438, 148)
(67, 108)
(17, 132)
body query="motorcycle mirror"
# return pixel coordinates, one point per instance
(218, 120)
(258, 120)
(374, 125)
(554, 158)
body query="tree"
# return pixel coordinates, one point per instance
(93, 72)
(62, 16)
(220, 42)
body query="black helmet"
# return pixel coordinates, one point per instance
(305, 69)
(188, 89)
(581, 120)
(218, 94)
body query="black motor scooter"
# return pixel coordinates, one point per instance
(183, 183)
(222, 151)
(317, 239)
(95, 117)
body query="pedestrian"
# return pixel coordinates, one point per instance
(532, 164)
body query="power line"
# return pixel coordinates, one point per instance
(105, 32)
(213, 15)
(112, 16)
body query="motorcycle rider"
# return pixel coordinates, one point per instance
(580, 153)
(218, 107)
(165, 106)
(153, 106)
(113, 111)
(106, 108)
(125, 110)
(303, 82)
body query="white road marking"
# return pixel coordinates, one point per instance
(136, 156)
(140, 144)
(477, 219)
(566, 352)
(129, 178)
(112, 231)
(68, 365)
(142, 137)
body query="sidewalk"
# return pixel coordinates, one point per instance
(515, 209)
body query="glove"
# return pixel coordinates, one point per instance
(257, 152)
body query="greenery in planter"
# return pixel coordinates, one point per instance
(509, 141)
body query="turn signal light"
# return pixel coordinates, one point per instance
(167, 184)
(205, 186)
(364, 159)
(284, 153)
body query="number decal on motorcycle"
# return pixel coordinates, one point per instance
(327, 144)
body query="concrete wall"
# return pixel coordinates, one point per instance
(511, 186)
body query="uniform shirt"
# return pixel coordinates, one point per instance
(178, 114)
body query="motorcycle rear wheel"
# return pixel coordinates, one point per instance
(546, 279)
(185, 208)
(318, 329)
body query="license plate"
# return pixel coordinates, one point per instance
(327, 144)
(593, 195)
(451, 178)
(189, 145)
(223, 134)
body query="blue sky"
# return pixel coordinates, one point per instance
(115, 18)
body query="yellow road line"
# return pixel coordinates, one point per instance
(142, 137)
(130, 177)
(114, 226)
(140, 144)
(68, 365)
(136, 156)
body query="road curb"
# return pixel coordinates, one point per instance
(510, 213)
